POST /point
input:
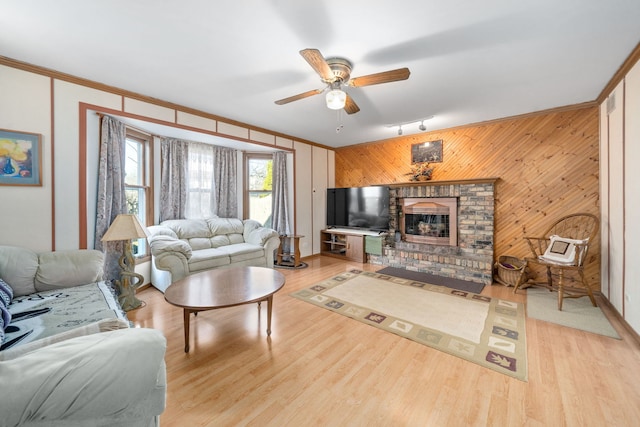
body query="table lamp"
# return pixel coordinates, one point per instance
(126, 227)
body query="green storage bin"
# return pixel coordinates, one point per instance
(373, 245)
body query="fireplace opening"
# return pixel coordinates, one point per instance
(430, 220)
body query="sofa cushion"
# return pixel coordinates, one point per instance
(208, 258)
(19, 266)
(224, 226)
(226, 239)
(243, 251)
(43, 314)
(198, 243)
(61, 269)
(188, 228)
(220, 240)
(235, 238)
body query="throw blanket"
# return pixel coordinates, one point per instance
(44, 314)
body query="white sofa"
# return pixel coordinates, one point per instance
(70, 357)
(181, 247)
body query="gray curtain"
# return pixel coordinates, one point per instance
(226, 182)
(173, 178)
(280, 193)
(111, 195)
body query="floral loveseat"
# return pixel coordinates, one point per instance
(69, 357)
(181, 247)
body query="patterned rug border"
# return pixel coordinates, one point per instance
(502, 346)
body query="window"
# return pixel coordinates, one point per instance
(136, 181)
(258, 187)
(200, 185)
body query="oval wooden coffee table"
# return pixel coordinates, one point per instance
(224, 287)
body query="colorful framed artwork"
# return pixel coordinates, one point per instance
(20, 158)
(427, 152)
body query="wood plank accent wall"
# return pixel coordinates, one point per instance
(548, 166)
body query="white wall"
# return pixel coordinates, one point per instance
(319, 192)
(26, 211)
(616, 199)
(620, 207)
(632, 197)
(304, 199)
(66, 100)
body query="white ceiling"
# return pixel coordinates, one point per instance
(470, 60)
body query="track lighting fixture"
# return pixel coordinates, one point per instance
(421, 125)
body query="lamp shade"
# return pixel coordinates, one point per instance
(124, 227)
(336, 99)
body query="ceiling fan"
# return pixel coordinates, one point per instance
(336, 73)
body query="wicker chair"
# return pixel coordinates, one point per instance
(582, 227)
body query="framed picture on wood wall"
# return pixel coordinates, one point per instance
(427, 152)
(20, 158)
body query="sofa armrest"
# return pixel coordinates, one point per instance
(166, 244)
(256, 234)
(175, 263)
(268, 238)
(83, 378)
(169, 253)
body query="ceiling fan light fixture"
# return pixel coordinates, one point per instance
(336, 99)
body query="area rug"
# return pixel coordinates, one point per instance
(577, 313)
(291, 267)
(421, 276)
(487, 331)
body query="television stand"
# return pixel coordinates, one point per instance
(344, 244)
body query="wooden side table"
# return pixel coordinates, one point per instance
(289, 260)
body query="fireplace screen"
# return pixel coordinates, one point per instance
(427, 225)
(430, 221)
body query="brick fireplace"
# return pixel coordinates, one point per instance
(416, 240)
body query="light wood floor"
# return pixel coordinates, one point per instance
(322, 369)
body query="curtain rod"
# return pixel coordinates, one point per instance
(146, 132)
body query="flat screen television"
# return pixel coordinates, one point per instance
(358, 208)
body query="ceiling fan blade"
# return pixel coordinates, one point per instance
(298, 96)
(350, 106)
(318, 63)
(384, 77)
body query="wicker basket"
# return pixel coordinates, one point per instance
(509, 270)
